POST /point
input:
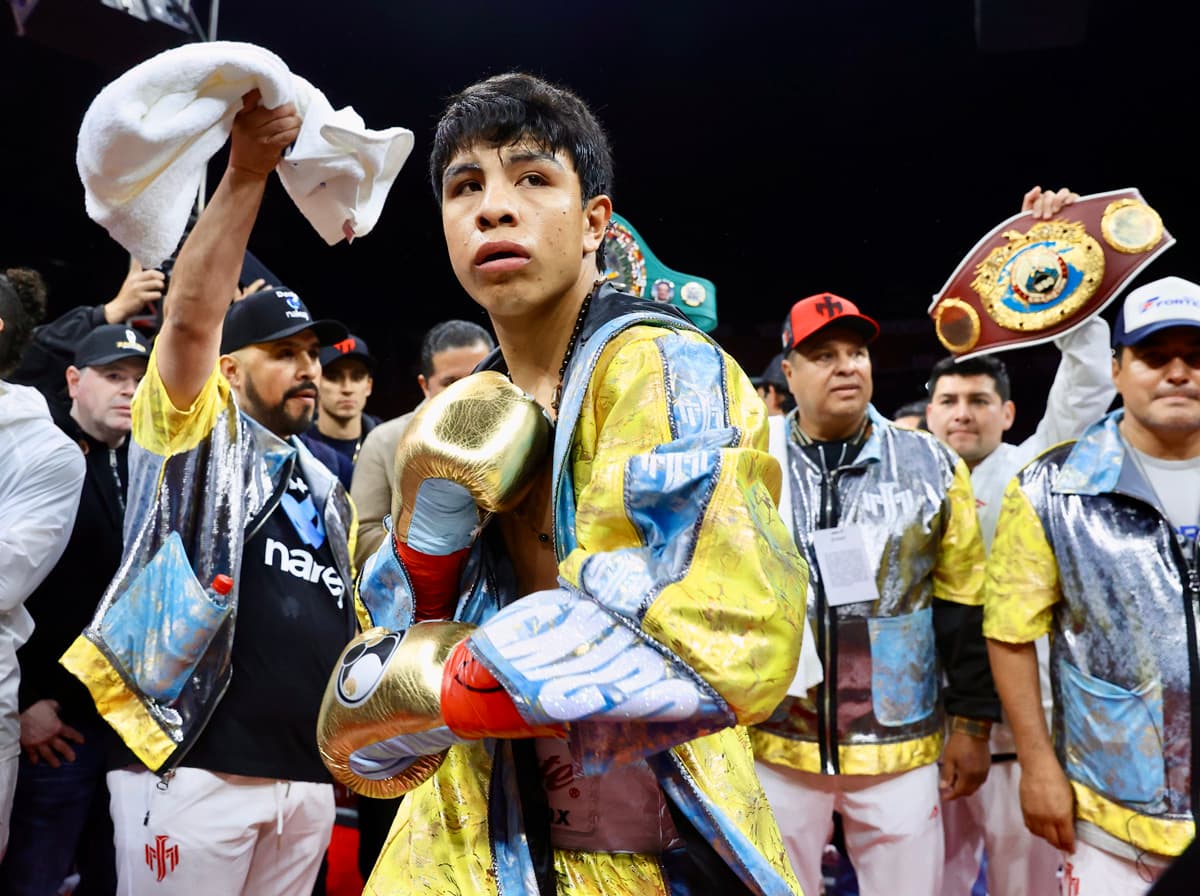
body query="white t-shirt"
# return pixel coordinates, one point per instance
(1176, 484)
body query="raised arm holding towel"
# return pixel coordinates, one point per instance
(146, 140)
(210, 650)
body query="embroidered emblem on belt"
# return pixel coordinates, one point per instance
(1041, 276)
(160, 857)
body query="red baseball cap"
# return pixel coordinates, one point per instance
(808, 316)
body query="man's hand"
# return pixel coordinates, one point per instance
(965, 764)
(261, 135)
(45, 736)
(250, 290)
(1048, 802)
(140, 287)
(1046, 205)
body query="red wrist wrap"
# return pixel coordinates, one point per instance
(475, 705)
(434, 579)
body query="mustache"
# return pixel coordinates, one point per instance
(1184, 392)
(306, 388)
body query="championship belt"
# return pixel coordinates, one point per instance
(630, 265)
(1031, 280)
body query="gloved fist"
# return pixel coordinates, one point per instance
(475, 446)
(475, 705)
(380, 729)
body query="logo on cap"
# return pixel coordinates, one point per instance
(1167, 302)
(346, 345)
(293, 302)
(827, 307)
(131, 342)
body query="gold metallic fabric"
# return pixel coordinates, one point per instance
(120, 707)
(164, 429)
(853, 759)
(958, 575)
(1161, 836)
(385, 685)
(438, 843)
(711, 605)
(745, 574)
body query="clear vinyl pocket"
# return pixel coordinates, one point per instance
(1114, 736)
(162, 624)
(903, 660)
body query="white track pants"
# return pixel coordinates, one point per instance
(1092, 871)
(892, 825)
(1019, 864)
(216, 833)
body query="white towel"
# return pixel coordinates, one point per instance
(146, 139)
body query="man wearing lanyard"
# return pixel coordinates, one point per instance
(886, 519)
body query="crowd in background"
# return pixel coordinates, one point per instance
(997, 642)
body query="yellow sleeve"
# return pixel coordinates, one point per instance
(162, 428)
(1021, 586)
(685, 511)
(958, 576)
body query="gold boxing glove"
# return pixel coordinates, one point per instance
(380, 730)
(481, 436)
(475, 445)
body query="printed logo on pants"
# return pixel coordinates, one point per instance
(1070, 883)
(160, 857)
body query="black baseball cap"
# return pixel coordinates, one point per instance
(773, 375)
(350, 347)
(273, 314)
(109, 343)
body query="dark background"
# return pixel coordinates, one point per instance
(777, 148)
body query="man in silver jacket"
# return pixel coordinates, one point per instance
(886, 519)
(211, 648)
(1096, 546)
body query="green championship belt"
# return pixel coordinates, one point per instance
(1030, 280)
(629, 264)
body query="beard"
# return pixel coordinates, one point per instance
(277, 418)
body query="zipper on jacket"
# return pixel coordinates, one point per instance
(1187, 560)
(116, 475)
(827, 641)
(1191, 596)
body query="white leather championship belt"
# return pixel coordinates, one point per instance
(1031, 280)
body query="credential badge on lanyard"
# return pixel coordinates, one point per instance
(846, 569)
